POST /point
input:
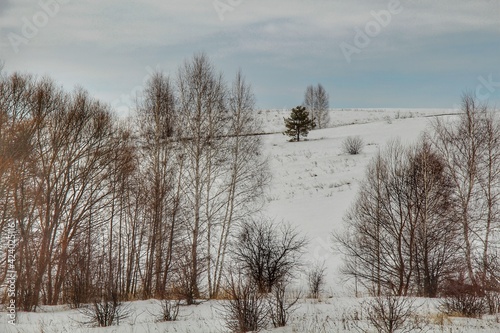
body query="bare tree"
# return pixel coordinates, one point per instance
(267, 253)
(425, 213)
(72, 183)
(436, 239)
(400, 236)
(322, 106)
(202, 105)
(390, 314)
(316, 100)
(489, 183)
(161, 167)
(17, 124)
(70, 139)
(245, 178)
(316, 279)
(310, 100)
(471, 152)
(282, 303)
(376, 235)
(247, 308)
(147, 208)
(224, 170)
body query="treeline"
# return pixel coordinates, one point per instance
(426, 220)
(127, 209)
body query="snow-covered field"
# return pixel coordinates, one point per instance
(313, 185)
(314, 182)
(329, 315)
(273, 119)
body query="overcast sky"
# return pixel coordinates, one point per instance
(366, 53)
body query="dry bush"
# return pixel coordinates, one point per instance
(247, 309)
(169, 310)
(466, 305)
(391, 314)
(462, 299)
(268, 252)
(316, 280)
(281, 304)
(492, 299)
(185, 287)
(353, 145)
(105, 312)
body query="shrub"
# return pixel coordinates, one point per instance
(466, 305)
(353, 145)
(268, 253)
(316, 280)
(462, 299)
(184, 287)
(169, 310)
(247, 309)
(493, 302)
(105, 312)
(281, 304)
(391, 314)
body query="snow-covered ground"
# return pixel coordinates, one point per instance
(273, 119)
(313, 185)
(314, 182)
(328, 315)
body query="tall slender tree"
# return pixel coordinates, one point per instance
(160, 167)
(400, 234)
(245, 177)
(471, 153)
(110, 209)
(316, 100)
(202, 103)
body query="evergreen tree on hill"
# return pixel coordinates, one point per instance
(298, 124)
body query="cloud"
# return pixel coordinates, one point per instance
(4, 5)
(106, 45)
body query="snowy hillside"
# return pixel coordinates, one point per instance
(314, 182)
(313, 185)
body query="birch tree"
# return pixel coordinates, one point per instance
(202, 105)
(160, 167)
(245, 180)
(400, 234)
(316, 100)
(469, 147)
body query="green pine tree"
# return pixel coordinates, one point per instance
(298, 124)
